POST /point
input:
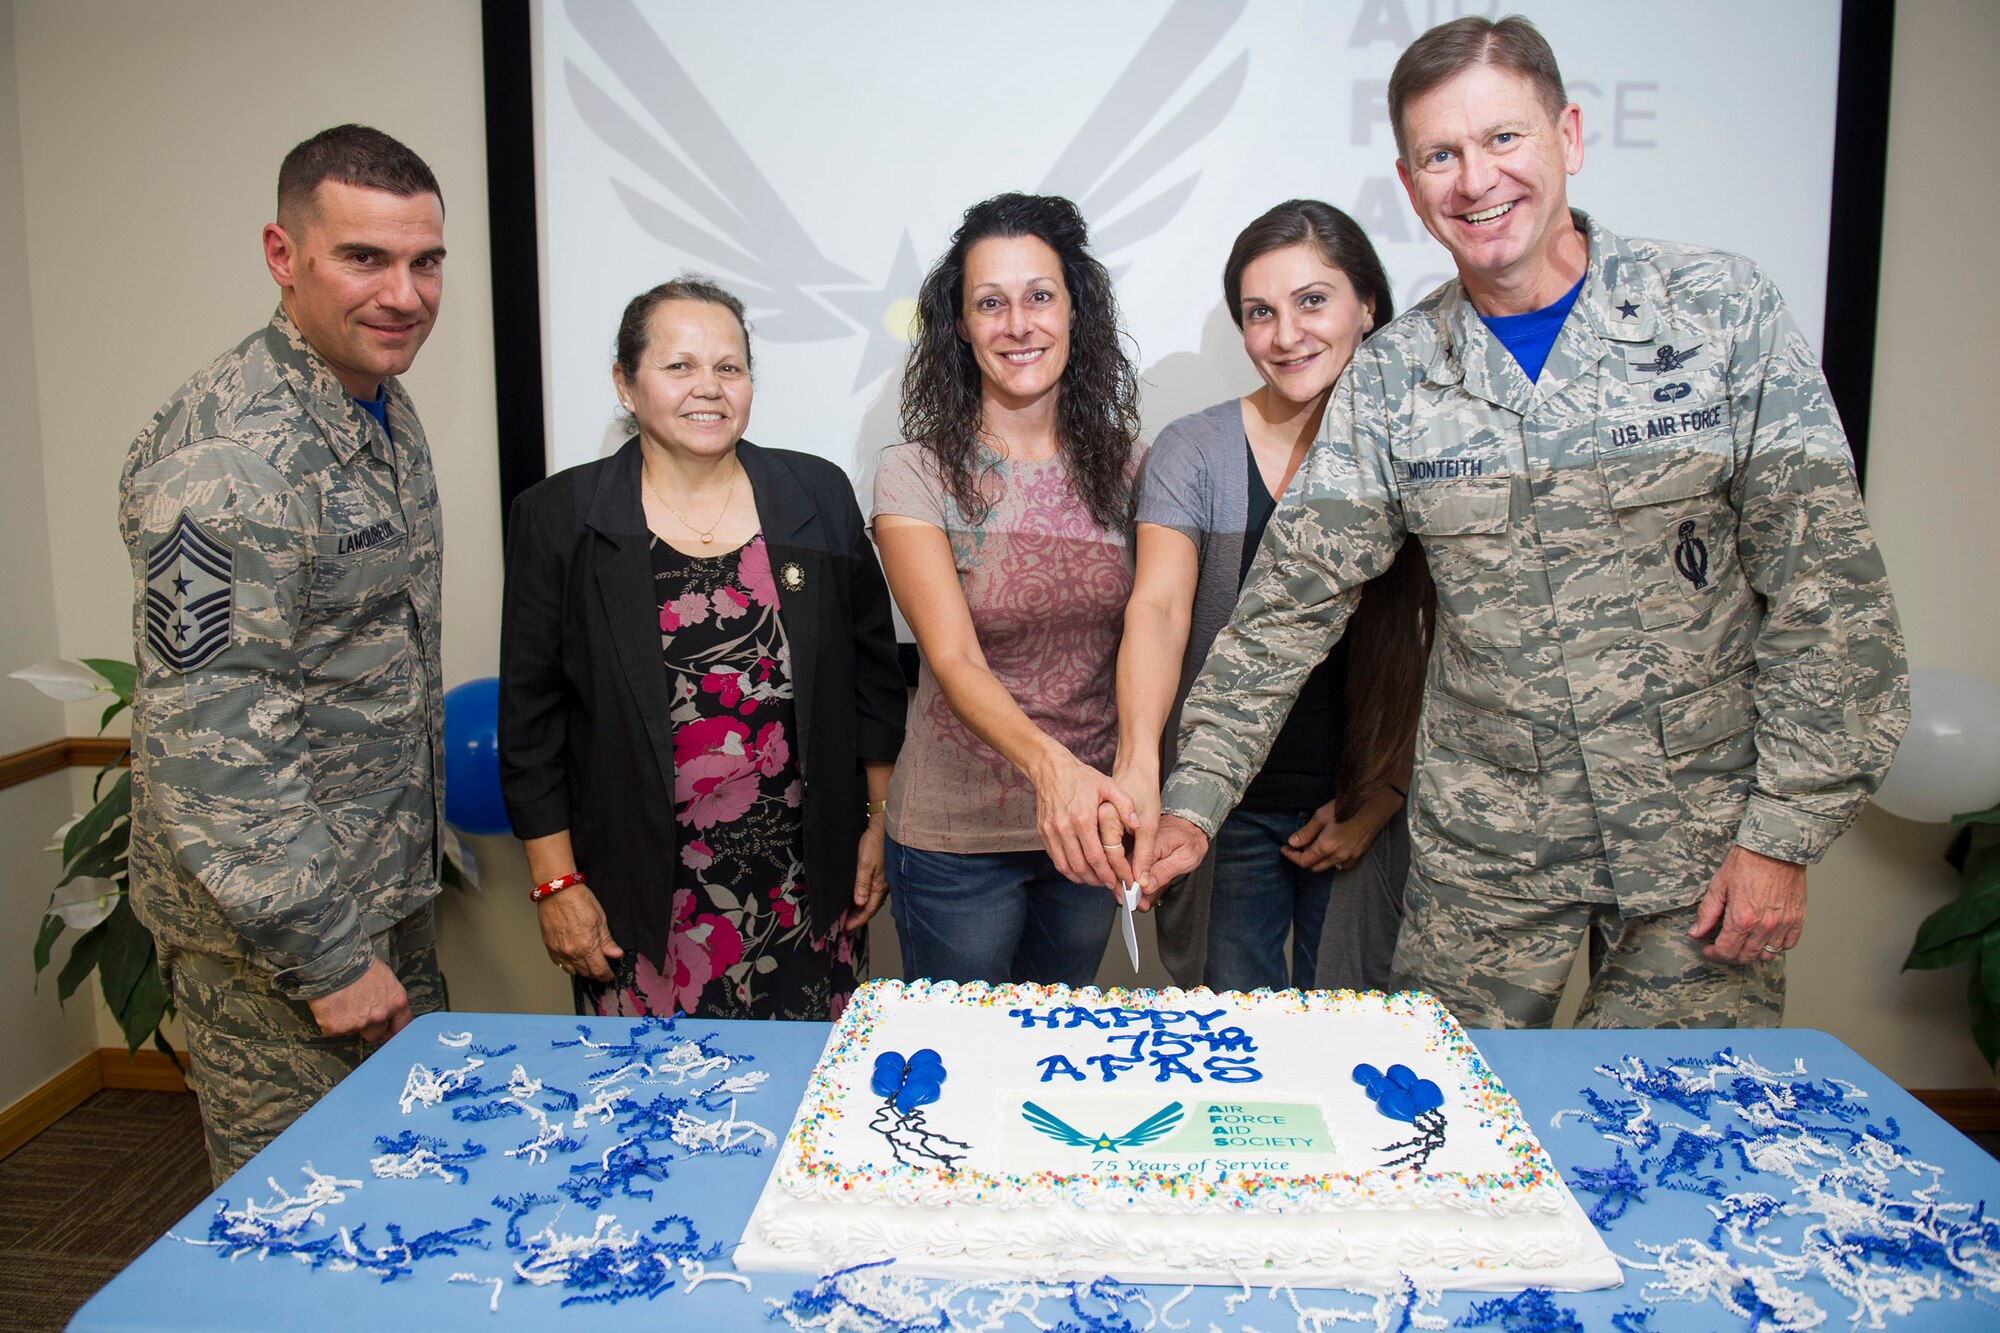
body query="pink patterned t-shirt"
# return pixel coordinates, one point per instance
(1047, 589)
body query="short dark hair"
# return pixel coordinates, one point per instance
(352, 155)
(1335, 237)
(1097, 412)
(1512, 43)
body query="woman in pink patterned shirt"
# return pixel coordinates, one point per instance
(1003, 527)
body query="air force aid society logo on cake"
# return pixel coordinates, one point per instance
(190, 593)
(1154, 1126)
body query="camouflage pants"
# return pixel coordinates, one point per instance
(1501, 963)
(256, 1058)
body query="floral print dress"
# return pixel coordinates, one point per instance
(742, 944)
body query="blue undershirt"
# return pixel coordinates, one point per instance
(378, 407)
(1529, 337)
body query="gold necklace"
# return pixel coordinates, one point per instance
(707, 537)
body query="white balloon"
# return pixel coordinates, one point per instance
(1949, 763)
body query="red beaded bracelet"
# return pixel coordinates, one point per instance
(556, 885)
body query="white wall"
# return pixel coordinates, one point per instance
(1933, 494)
(149, 139)
(39, 1038)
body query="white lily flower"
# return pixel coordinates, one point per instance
(63, 679)
(55, 843)
(84, 901)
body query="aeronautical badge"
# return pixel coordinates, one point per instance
(190, 594)
(792, 575)
(1691, 555)
(1666, 358)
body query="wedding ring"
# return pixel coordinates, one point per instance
(1113, 846)
(1769, 949)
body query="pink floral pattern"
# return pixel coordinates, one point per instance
(741, 944)
(1046, 589)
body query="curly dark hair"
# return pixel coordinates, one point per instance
(1097, 412)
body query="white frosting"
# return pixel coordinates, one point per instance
(1265, 1155)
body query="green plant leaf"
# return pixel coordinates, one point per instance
(106, 860)
(165, 1047)
(45, 940)
(1955, 850)
(145, 1006)
(121, 676)
(1954, 931)
(127, 952)
(116, 707)
(116, 804)
(122, 764)
(1987, 971)
(83, 957)
(1979, 862)
(1985, 1021)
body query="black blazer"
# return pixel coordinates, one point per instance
(585, 739)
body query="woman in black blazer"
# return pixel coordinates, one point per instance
(700, 702)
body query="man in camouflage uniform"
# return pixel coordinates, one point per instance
(282, 517)
(1668, 672)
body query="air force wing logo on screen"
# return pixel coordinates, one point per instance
(729, 215)
(190, 592)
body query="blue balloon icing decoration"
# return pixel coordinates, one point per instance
(909, 1083)
(1399, 1094)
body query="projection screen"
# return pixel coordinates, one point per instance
(815, 157)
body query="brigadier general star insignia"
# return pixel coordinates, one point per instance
(190, 594)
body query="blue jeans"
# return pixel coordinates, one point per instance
(1351, 917)
(1258, 897)
(995, 916)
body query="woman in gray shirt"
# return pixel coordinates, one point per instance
(1318, 847)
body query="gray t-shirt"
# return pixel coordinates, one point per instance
(1197, 482)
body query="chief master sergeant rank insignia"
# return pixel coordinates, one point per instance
(190, 594)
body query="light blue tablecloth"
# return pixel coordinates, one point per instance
(1845, 1104)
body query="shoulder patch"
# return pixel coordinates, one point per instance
(190, 595)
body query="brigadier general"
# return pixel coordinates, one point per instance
(282, 518)
(1667, 672)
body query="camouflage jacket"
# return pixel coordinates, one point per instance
(287, 730)
(1663, 623)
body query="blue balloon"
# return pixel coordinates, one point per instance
(909, 1083)
(472, 801)
(1399, 1094)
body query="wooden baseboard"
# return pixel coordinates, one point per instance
(146, 1071)
(50, 1102)
(69, 752)
(1967, 1110)
(107, 1067)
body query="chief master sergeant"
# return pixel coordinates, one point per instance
(1668, 672)
(282, 518)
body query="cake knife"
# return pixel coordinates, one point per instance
(1131, 893)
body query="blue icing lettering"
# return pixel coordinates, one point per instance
(1230, 1069)
(1151, 1042)
(1059, 1064)
(1114, 1065)
(1231, 1038)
